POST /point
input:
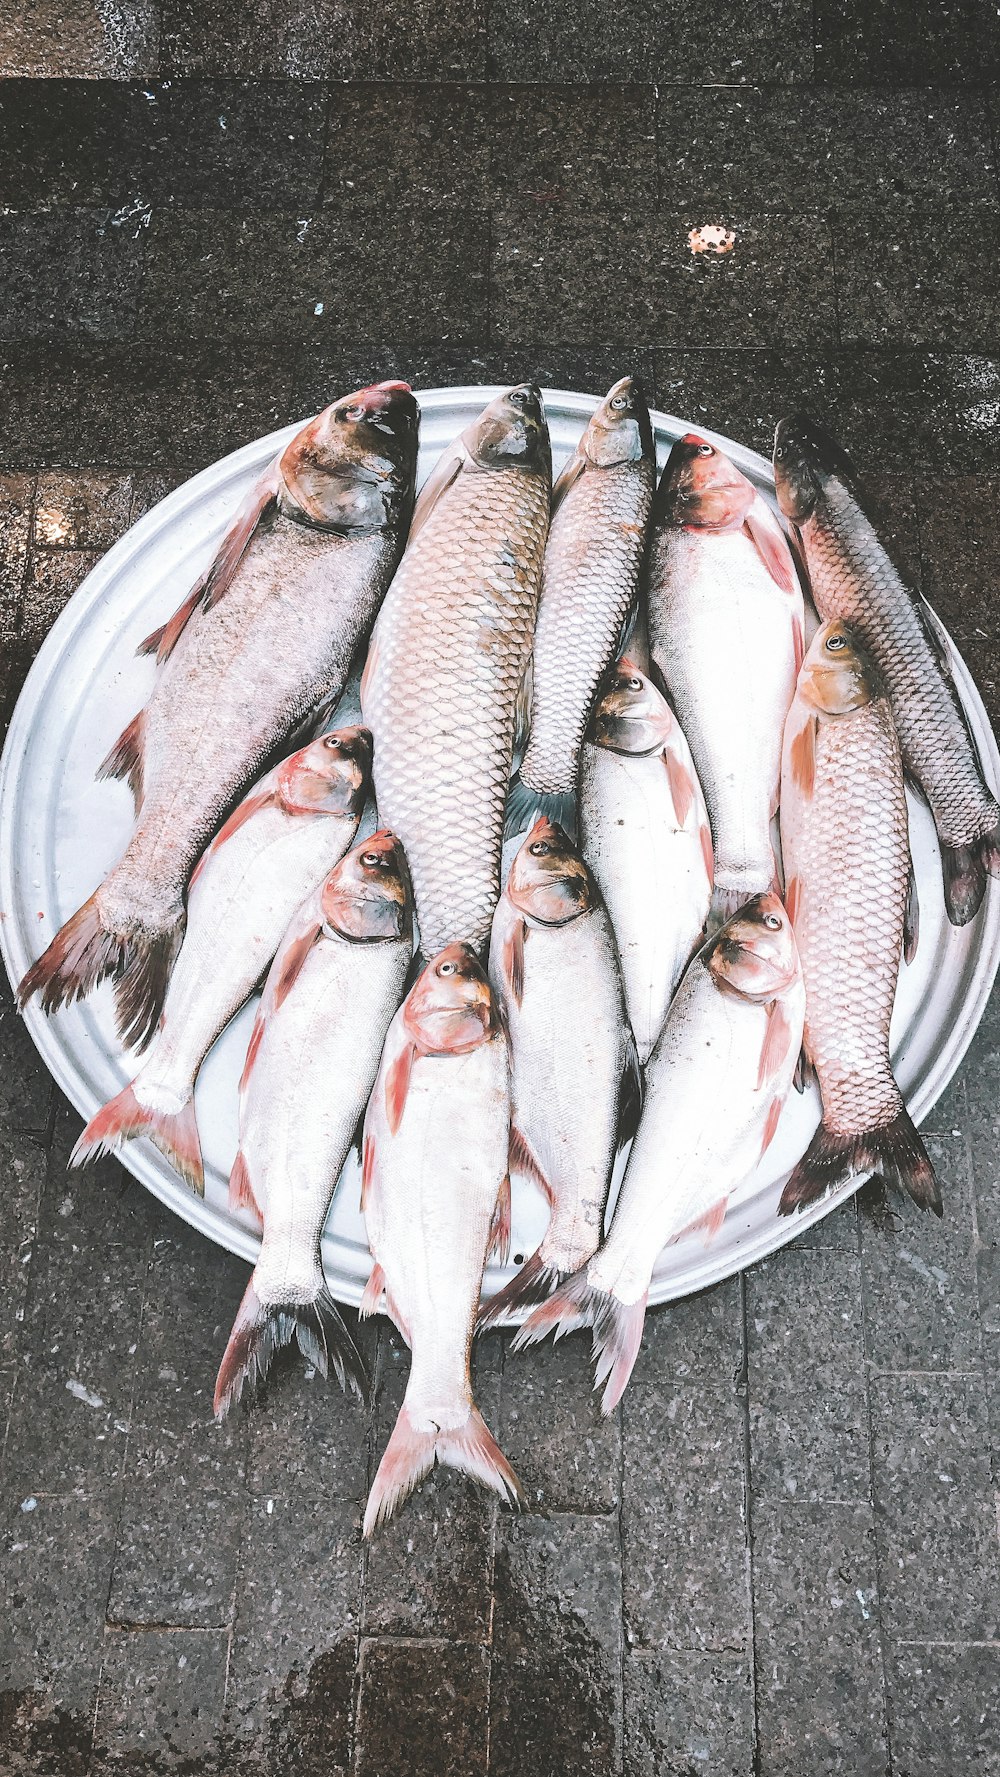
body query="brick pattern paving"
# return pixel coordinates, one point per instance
(782, 1554)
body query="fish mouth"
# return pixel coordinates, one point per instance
(387, 405)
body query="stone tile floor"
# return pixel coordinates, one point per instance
(781, 1556)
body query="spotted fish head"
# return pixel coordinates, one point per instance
(700, 489)
(331, 775)
(838, 674)
(368, 897)
(807, 464)
(353, 468)
(630, 716)
(549, 880)
(511, 431)
(754, 954)
(620, 430)
(451, 1009)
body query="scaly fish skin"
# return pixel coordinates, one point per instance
(278, 845)
(645, 833)
(853, 579)
(447, 660)
(554, 969)
(590, 581)
(725, 635)
(435, 1171)
(327, 1004)
(845, 843)
(265, 639)
(715, 1085)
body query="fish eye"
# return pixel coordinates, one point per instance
(779, 451)
(354, 412)
(772, 922)
(635, 684)
(518, 398)
(333, 742)
(835, 643)
(706, 450)
(447, 968)
(619, 401)
(371, 858)
(540, 849)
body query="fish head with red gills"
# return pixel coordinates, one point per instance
(754, 955)
(368, 896)
(631, 715)
(700, 489)
(838, 674)
(809, 466)
(549, 882)
(353, 468)
(329, 776)
(620, 430)
(451, 1009)
(511, 432)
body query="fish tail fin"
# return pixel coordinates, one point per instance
(894, 1152)
(142, 986)
(125, 758)
(260, 1329)
(616, 1327)
(175, 1133)
(411, 1454)
(524, 805)
(965, 869)
(533, 1284)
(80, 955)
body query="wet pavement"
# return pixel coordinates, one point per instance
(781, 1555)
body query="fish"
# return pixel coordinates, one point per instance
(448, 658)
(590, 585)
(852, 577)
(436, 1194)
(262, 644)
(845, 842)
(726, 638)
(645, 833)
(314, 1050)
(574, 1072)
(715, 1085)
(279, 843)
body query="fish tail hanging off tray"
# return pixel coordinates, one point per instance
(895, 1152)
(533, 1284)
(524, 805)
(616, 1327)
(965, 869)
(123, 1118)
(412, 1452)
(83, 953)
(262, 1328)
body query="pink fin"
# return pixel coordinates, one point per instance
(260, 1329)
(513, 959)
(617, 1331)
(802, 756)
(768, 539)
(792, 892)
(256, 1038)
(244, 812)
(681, 786)
(211, 587)
(411, 1454)
(522, 1160)
(241, 1192)
(710, 1222)
(798, 641)
(371, 664)
(371, 1301)
(292, 963)
(771, 1124)
(123, 1118)
(125, 757)
(80, 955)
(776, 1044)
(533, 1283)
(367, 1171)
(707, 851)
(894, 1151)
(397, 1085)
(499, 1247)
(163, 641)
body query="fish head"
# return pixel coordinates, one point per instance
(329, 776)
(838, 674)
(754, 955)
(511, 432)
(549, 880)
(353, 468)
(700, 489)
(620, 431)
(451, 1009)
(367, 896)
(630, 716)
(807, 464)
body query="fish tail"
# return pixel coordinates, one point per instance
(260, 1329)
(411, 1454)
(524, 805)
(965, 869)
(532, 1284)
(80, 955)
(141, 987)
(616, 1327)
(175, 1133)
(894, 1152)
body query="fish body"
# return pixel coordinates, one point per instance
(435, 1171)
(447, 660)
(644, 831)
(715, 1085)
(278, 845)
(853, 579)
(329, 997)
(845, 844)
(590, 581)
(726, 637)
(265, 639)
(554, 969)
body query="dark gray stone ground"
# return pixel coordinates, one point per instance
(782, 1556)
